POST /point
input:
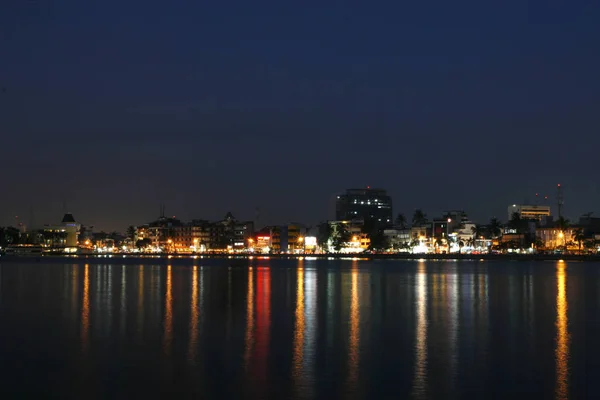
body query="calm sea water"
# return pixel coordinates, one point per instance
(300, 329)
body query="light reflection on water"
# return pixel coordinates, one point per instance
(85, 310)
(168, 321)
(299, 328)
(419, 389)
(249, 334)
(309, 328)
(194, 315)
(354, 332)
(562, 334)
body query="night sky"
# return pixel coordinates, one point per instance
(113, 107)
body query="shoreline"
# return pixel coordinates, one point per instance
(97, 258)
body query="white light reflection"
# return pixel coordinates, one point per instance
(453, 283)
(420, 377)
(107, 294)
(483, 313)
(310, 317)
(331, 291)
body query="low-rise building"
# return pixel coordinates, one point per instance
(287, 238)
(64, 235)
(398, 238)
(552, 238)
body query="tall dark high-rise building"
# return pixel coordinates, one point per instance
(374, 206)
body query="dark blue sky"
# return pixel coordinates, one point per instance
(117, 106)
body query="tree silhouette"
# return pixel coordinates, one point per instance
(379, 241)
(494, 228)
(340, 237)
(579, 237)
(325, 232)
(131, 231)
(419, 218)
(401, 221)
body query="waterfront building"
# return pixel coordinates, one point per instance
(63, 236)
(398, 238)
(373, 206)
(261, 243)
(357, 240)
(554, 238)
(230, 234)
(287, 238)
(419, 232)
(187, 237)
(160, 232)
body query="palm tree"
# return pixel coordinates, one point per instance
(414, 243)
(516, 222)
(419, 218)
(449, 242)
(324, 234)
(478, 231)
(471, 242)
(494, 228)
(401, 221)
(579, 237)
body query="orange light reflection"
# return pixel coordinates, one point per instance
(193, 343)
(249, 340)
(562, 335)
(85, 309)
(354, 350)
(300, 325)
(168, 334)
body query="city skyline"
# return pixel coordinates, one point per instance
(115, 108)
(30, 215)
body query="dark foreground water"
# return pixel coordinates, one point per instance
(287, 329)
